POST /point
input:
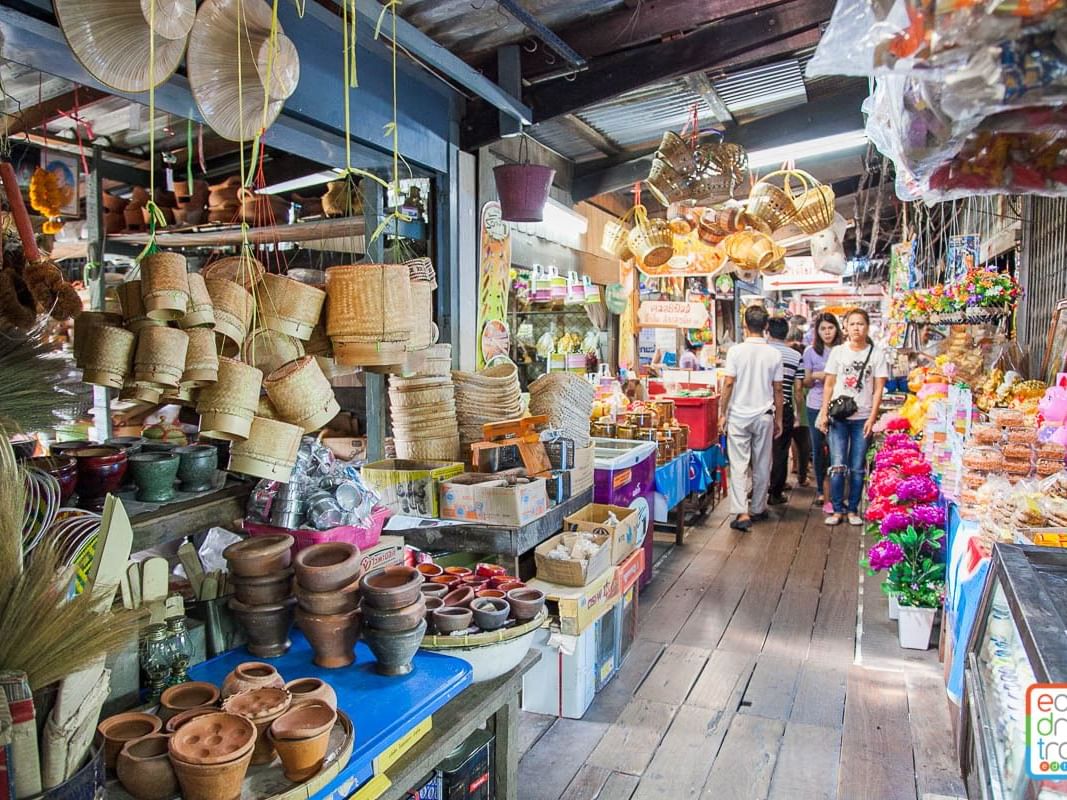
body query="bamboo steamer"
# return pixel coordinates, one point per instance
(289, 306)
(108, 353)
(302, 394)
(266, 409)
(369, 303)
(160, 356)
(82, 323)
(227, 407)
(142, 392)
(422, 325)
(267, 350)
(440, 449)
(268, 452)
(133, 310)
(184, 395)
(164, 286)
(319, 343)
(373, 354)
(201, 311)
(201, 360)
(244, 270)
(233, 313)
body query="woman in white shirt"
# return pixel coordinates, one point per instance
(857, 370)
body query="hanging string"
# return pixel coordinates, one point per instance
(637, 193)
(189, 154)
(200, 148)
(155, 214)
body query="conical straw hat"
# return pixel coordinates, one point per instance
(233, 69)
(111, 38)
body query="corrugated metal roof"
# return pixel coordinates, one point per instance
(640, 117)
(763, 90)
(557, 136)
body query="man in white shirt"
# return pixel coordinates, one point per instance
(750, 410)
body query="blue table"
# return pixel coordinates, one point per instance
(704, 468)
(382, 709)
(672, 485)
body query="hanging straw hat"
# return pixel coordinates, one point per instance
(111, 38)
(231, 88)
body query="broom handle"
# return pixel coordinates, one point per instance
(18, 212)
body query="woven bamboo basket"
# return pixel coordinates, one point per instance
(368, 354)
(243, 269)
(436, 360)
(227, 406)
(319, 343)
(201, 311)
(750, 249)
(675, 151)
(182, 396)
(666, 183)
(142, 392)
(268, 452)
(651, 241)
(289, 306)
(266, 350)
(266, 409)
(133, 311)
(430, 429)
(500, 376)
(614, 240)
(814, 203)
(369, 303)
(422, 327)
(422, 397)
(233, 313)
(201, 360)
(165, 286)
(771, 204)
(440, 449)
(82, 323)
(302, 394)
(107, 355)
(160, 356)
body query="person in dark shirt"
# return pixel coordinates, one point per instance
(778, 329)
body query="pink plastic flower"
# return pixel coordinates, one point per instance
(893, 522)
(929, 515)
(884, 555)
(919, 489)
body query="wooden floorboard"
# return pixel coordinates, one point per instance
(547, 769)
(682, 762)
(936, 767)
(807, 763)
(743, 768)
(613, 698)
(587, 783)
(674, 674)
(620, 786)
(629, 744)
(773, 687)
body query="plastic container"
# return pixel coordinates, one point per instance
(701, 414)
(362, 537)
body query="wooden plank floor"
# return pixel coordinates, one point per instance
(765, 667)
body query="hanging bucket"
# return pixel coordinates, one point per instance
(523, 191)
(201, 312)
(160, 357)
(133, 311)
(302, 394)
(289, 306)
(108, 352)
(268, 452)
(201, 359)
(226, 407)
(165, 286)
(233, 312)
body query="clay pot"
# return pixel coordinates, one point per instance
(302, 758)
(339, 601)
(494, 593)
(121, 728)
(474, 581)
(63, 469)
(197, 468)
(131, 445)
(433, 590)
(390, 588)
(447, 581)
(308, 719)
(263, 590)
(497, 581)
(262, 707)
(185, 696)
(458, 572)
(490, 571)
(251, 675)
(144, 768)
(181, 718)
(510, 585)
(159, 446)
(490, 613)
(526, 602)
(154, 474)
(332, 637)
(394, 651)
(432, 604)
(327, 566)
(266, 627)
(398, 619)
(100, 472)
(460, 597)
(215, 771)
(60, 449)
(304, 690)
(452, 618)
(430, 570)
(258, 556)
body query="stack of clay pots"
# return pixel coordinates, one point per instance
(192, 205)
(328, 598)
(491, 395)
(263, 599)
(211, 754)
(394, 617)
(261, 707)
(223, 203)
(423, 412)
(301, 737)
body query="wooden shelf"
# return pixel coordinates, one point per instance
(178, 520)
(342, 229)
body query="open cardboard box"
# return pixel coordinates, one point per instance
(493, 499)
(572, 572)
(625, 533)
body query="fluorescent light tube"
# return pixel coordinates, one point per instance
(809, 148)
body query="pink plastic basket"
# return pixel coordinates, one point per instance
(363, 538)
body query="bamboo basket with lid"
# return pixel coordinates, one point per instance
(369, 303)
(266, 350)
(164, 286)
(268, 452)
(226, 407)
(108, 355)
(289, 306)
(201, 359)
(133, 310)
(233, 313)
(201, 312)
(302, 394)
(141, 392)
(160, 356)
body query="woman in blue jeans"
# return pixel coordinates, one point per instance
(859, 370)
(827, 336)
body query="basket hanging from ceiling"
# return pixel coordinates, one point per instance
(651, 240)
(200, 313)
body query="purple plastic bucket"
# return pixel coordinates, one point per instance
(523, 191)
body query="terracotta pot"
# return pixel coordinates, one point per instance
(332, 637)
(490, 570)
(212, 781)
(199, 463)
(328, 566)
(308, 719)
(432, 604)
(121, 728)
(257, 556)
(430, 570)
(263, 590)
(452, 618)
(496, 581)
(302, 758)
(338, 601)
(100, 472)
(389, 588)
(213, 739)
(397, 619)
(510, 585)
(526, 602)
(490, 613)
(251, 675)
(266, 627)
(394, 651)
(63, 469)
(185, 696)
(457, 572)
(460, 597)
(474, 581)
(144, 768)
(433, 590)
(181, 718)
(494, 593)
(304, 690)
(154, 474)
(262, 707)
(447, 581)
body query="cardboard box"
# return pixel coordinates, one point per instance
(571, 572)
(476, 497)
(582, 474)
(625, 533)
(578, 608)
(387, 552)
(409, 487)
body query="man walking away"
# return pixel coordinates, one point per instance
(751, 412)
(778, 329)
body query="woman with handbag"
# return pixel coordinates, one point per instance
(827, 336)
(856, 374)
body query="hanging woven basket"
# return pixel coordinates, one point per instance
(164, 286)
(201, 312)
(770, 203)
(369, 354)
(302, 394)
(675, 152)
(268, 452)
(289, 306)
(615, 239)
(201, 359)
(133, 310)
(141, 392)
(183, 396)
(751, 249)
(160, 356)
(233, 313)
(82, 323)
(226, 407)
(243, 269)
(107, 355)
(523, 191)
(651, 241)
(369, 303)
(266, 350)
(814, 202)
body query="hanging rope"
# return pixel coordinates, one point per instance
(155, 214)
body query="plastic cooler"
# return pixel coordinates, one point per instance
(362, 537)
(701, 414)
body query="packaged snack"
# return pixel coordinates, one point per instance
(1018, 452)
(1055, 485)
(1049, 466)
(973, 479)
(987, 433)
(989, 459)
(1016, 467)
(1021, 435)
(1007, 417)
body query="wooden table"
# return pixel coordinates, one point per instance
(495, 701)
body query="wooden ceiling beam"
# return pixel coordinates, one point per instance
(35, 116)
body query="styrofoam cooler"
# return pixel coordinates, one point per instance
(563, 682)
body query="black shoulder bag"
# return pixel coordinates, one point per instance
(844, 406)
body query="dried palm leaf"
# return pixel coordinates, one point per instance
(40, 385)
(12, 506)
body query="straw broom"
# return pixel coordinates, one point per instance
(39, 389)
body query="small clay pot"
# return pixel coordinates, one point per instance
(184, 696)
(433, 590)
(338, 601)
(197, 467)
(213, 739)
(490, 570)
(266, 627)
(526, 602)
(144, 768)
(327, 566)
(490, 613)
(303, 721)
(212, 781)
(251, 675)
(432, 604)
(262, 707)
(447, 581)
(495, 593)
(452, 618)
(100, 472)
(460, 597)
(154, 474)
(458, 572)
(510, 585)
(304, 690)
(257, 556)
(474, 581)
(499, 580)
(181, 718)
(397, 619)
(302, 758)
(63, 469)
(430, 570)
(394, 651)
(389, 588)
(121, 728)
(332, 637)
(263, 590)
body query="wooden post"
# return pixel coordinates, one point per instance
(374, 382)
(94, 278)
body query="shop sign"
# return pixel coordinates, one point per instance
(667, 314)
(800, 273)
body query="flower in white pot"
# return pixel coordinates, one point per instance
(919, 582)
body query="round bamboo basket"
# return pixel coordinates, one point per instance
(133, 312)
(201, 311)
(142, 392)
(267, 350)
(500, 376)
(422, 327)
(289, 306)
(750, 249)
(771, 204)
(160, 356)
(201, 360)
(82, 323)
(614, 240)
(368, 354)
(676, 151)
(266, 409)
(302, 394)
(651, 241)
(814, 203)
(268, 452)
(422, 397)
(441, 449)
(226, 407)
(437, 360)
(244, 270)
(369, 303)
(108, 353)
(164, 286)
(319, 343)
(233, 313)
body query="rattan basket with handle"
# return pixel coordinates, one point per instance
(750, 249)
(615, 240)
(289, 306)
(233, 313)
(227, 406)
(770, 203)
(165, 286)
(160, 356)
(369, 303)
(267, 350)
(675, 151)
(814, 202)
(108, 355)
(243, 269)
(133, 312)
(302, 394)
(201, 312)
(201, 359)
(268, 452)
(651, 241)
(666, 183)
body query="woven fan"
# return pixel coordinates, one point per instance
(111, 38)
(232, 83)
